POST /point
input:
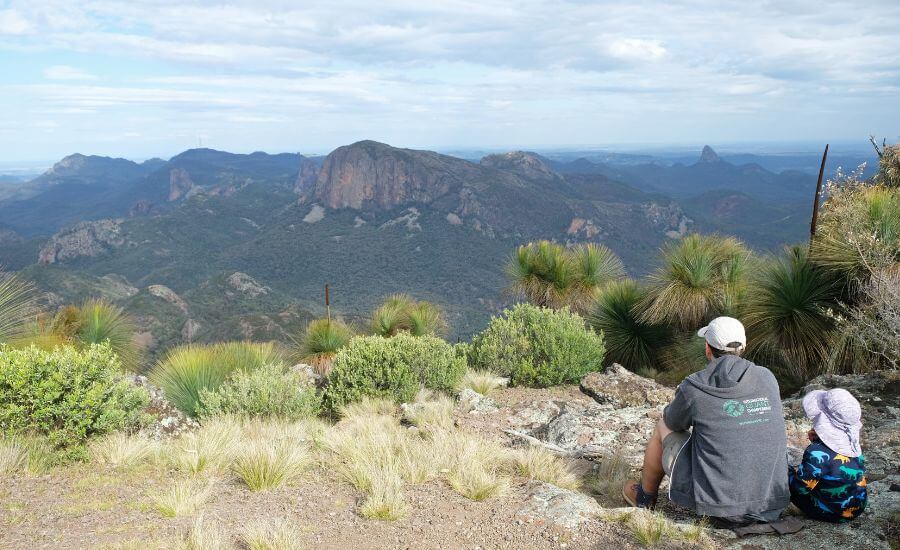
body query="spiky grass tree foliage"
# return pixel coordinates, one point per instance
(702, 276)
(630, 340)
(99, 321)
(322, 339)
(859, 231)
(401, 313)
(787, 317)
(18, 306)
(550, 275)
(186, 370)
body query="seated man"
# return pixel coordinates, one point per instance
(733, 464)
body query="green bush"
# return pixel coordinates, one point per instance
(538, 347)
(269, 391)
(186, 370)
(66, 394)
(393, 368)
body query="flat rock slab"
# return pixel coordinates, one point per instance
(560, 506)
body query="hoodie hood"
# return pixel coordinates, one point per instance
(723, 377)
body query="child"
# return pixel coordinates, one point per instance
(830, 483)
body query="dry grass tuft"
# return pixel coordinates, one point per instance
(385, 497)
(474, 466)
(13, 457)
(210, 450)
(607, 478)
(205, 536)
(482, 381)
(31, 455)
(121, 450)
(369, 407)
(538, 463)
(270, 535)
(183, 498)
(430, 411)
(648, 528)
(264, 465)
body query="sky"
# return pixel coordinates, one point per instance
(152, 78)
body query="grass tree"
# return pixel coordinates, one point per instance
(701, 276)
(99, 321)
(321, 341)
(787, 318)
(402, 313)
(18, 306)
(630, 339)
(548, 274)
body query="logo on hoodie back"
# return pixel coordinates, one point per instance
(733, 408)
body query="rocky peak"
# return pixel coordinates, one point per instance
(180, 184)
(69, 164)
(523, 163)
(374, 175)
(708, 155)
(246, 284)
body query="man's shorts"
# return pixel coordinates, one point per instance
(672, 445)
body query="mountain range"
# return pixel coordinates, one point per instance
(211, 245)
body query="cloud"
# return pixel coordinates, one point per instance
(636, 49)
(13, 23)
(65, 72)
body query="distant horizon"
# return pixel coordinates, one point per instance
(762, 148)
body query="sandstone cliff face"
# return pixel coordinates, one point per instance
(306, 178)
(180, 184)
(373, 175)
(528, 165)
(83, 239)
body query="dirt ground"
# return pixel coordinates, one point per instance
(86, 506)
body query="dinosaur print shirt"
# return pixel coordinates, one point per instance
(827, 485)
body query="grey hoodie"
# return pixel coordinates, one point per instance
(735, 463)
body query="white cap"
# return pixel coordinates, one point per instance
(724, 333)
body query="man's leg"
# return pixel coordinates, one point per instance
(643, 494)
(652, 472)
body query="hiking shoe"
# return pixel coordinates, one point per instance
(634, 495)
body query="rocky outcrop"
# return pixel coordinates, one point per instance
(246, 285)
(583, 229)
(141, 208)
(117, 286)
(374, 175)
(669, 219)
(619, 387)
(526, 164)
(167, 294)
(190, 329)
(168, 421)
(180, 184)
(83, 239)
(306, 177)
(471, 401)
(708, 155)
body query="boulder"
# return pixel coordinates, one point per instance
(168, 420)
(620, 387)
(471, 401)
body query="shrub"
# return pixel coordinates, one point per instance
(539, 347)
(321, 341)
(67, 394)
(401, 313)
(269, 391)
(186, 370)
(392, 368)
